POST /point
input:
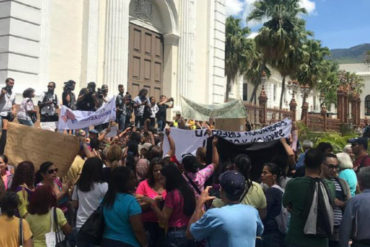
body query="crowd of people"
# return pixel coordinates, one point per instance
(145, 197)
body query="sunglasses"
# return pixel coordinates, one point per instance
(332, 166)
(51, 171)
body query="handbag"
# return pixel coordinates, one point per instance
(92, 230)
(54, 238)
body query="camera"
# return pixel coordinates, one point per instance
(100, 93)
(69, 86)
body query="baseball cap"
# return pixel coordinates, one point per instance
(94, 131)
(360, 140)
(233, 183)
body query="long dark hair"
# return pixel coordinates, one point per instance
(42, 200)
(275, 170)
(24, 173)
(150, 176)
(174, 180)
(91, 173)
(4, 157)
(118, 183)
(28, 93)
(9, 204)
(43, 170)
(243, 164)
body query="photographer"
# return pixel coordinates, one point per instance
(162, 111)
(7, 110)
(68, 97)
(87, 98)
(48, 105)
(140, 103)
(102, 96)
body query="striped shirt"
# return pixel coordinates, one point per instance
(338, 213)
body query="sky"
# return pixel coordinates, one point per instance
(337, 23)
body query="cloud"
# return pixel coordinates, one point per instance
(234, 7)
(308, 5)
(252, 35)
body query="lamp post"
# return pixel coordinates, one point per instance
(262, 99)
(305, 90)
(293, 88)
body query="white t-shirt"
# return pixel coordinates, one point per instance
(88, 202)
(154, 108)
(139, 111)
(6, 104)
(26, 106)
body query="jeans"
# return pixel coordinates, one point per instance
(273, 239)
(139, 121)
(121, 120)
(155, 234)
(25, 122)
(113, 243)
(177, 238)
(161, 123)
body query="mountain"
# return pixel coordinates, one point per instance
(355, 54)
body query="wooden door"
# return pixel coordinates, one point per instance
(145, 69)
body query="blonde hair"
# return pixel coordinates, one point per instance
(114, 155)
(344, 161)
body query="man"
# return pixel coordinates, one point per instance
(356, 218)
(301, 196)
(232, 225)
(87, 99)
(120, 102)
(48, 105)
(306, 145)
(342, 194)
(7, 110)
(68, 97)
(140, 103)
(359, 149)
(162, 111)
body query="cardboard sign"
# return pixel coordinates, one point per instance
(38, 145)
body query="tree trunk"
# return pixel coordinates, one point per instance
(254, 95)
(282, 95)
(304, 100)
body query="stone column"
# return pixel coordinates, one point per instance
(293, 108)
(346, 105)
(325, 118)
(305, 113)
(262, 100)
(354, 109)
(340, 94)
(116, 43)
(358, 109)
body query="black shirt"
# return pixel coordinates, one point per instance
(162, 112)
(88, 103)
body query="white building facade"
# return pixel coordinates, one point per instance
(171, 47)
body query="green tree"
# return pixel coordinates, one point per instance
(237, 50)
(329, 83)
(281, 36)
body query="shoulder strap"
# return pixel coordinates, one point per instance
(192, 183)
(245, 192)
(20, 240)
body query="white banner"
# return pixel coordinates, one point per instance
(69, 119)
(188, 141)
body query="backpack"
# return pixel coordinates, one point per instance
(283, 218)
(319, 210)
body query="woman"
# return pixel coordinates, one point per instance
(41, 211)
(88, 193)
(154, 109)
(23, 185)
(254, 196)
(122, 213)
(27, 115)
(114, 156)
(10, 224)
(346, 171)
(152, 187)
(274, 194)
(178, 207)
(47, 175)
(6, 174)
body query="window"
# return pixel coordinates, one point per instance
(367, 105)
(245, 91)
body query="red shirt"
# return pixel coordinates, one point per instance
(362, 161)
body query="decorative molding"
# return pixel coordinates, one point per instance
(142, 9)
(19, 37)
(171, 39)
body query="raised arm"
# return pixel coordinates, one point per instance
(215, 156)
(172, 150)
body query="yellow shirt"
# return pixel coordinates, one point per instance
(255, 197)
(9, 231)
(75, 170)
(40, 225)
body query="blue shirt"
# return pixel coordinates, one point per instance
(231, 225)
(117, 219)
(300, 161)
(350, 177)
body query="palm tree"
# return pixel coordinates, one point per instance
(236, 51)
(281, 36)
(329, 83)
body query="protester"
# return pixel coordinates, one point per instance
(359, 149)
(254, 196)
(356, 218)
(232, 225)
(154, 110)
(122, 213)
(179, 205)
(346, 171)
(120, 111)
(42, 215)
(68, 97)
(153, 187)
(325, 147)
(75, 169)
(27, 115)
(348, 149)
(5, 172)
(342, 194)
(23, 185)
(10, 224)
(114, 156)
(88, 194)
(162, 111)
(48, 105)
(271, 235)
(300, 195)
(87, 98)
(47, 175)
(7, 110)
(140, 103)
(306, 145)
